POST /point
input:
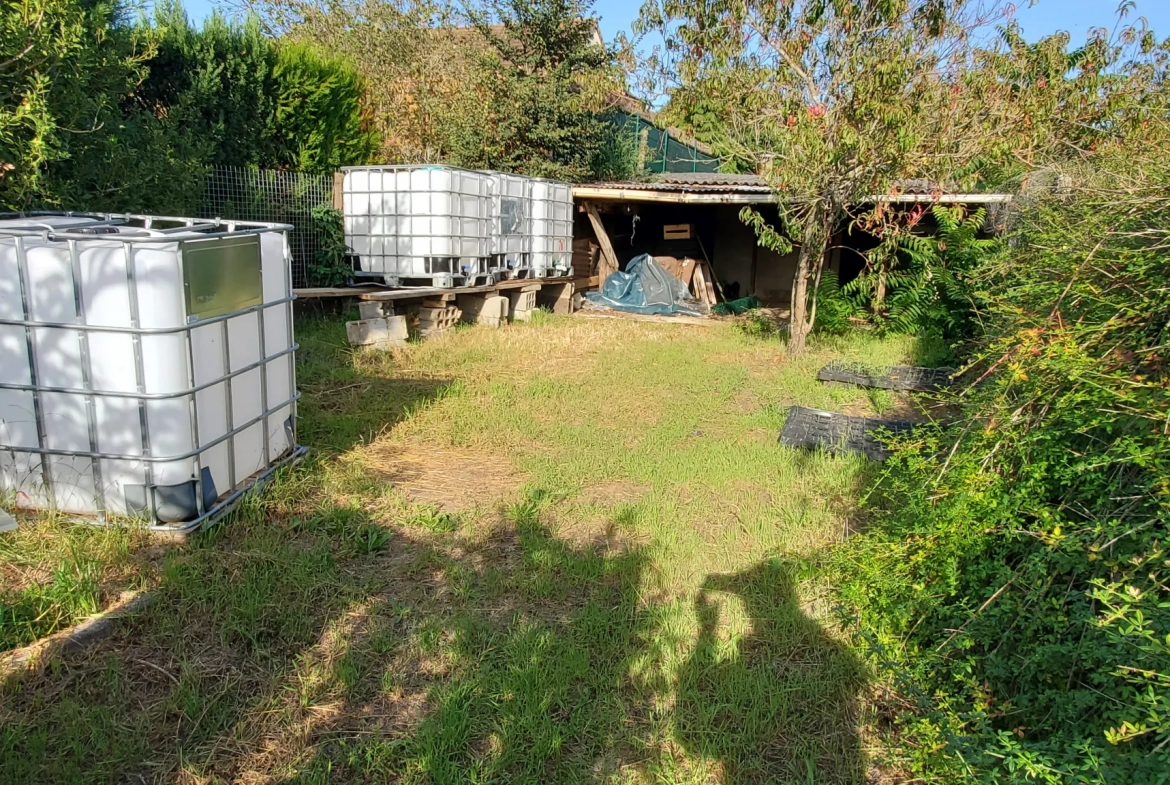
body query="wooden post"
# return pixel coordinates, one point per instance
(609, 262)
(338, 191)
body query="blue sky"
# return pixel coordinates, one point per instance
(1046, 17)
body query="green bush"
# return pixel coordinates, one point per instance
(834, 308)
(1013, 579)
(244, 99)
(318, 122)
(927, 283)
(97, 113)
(331, 265)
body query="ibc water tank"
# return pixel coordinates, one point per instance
(511, 225)
(418, 225)
(146, 363)
(552, 228)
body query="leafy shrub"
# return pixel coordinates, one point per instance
(97, 113)
(318, 120)
(925, 283)
(331, 265)
(834, 308)
(1013, 581)
(757, 325)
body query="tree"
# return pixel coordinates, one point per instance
(65, 66)
(408, 73)
(542, 78)
(834, 102)
(244, 99)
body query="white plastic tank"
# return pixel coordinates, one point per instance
(146, 364)
(552, 228)
(421, 225)
(511, 224)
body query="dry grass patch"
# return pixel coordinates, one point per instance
(452, 479)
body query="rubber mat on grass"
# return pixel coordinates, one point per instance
(898, 377)
(814, 429)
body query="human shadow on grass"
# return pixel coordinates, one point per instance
(779, 704)
(335, 648)
(513, 666)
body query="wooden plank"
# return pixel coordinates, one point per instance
(378, 293)
(700, 287)
(609, 263)
(339, 191)
(708, 280)
(325, 292)
(427, 291)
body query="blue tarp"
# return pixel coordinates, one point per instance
(645, 287)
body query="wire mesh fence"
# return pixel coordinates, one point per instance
(276, 196)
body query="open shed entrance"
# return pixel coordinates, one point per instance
(697, 216)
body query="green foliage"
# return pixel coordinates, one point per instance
(319, 123)
(213, 84)
(616, 158)
(69, 136)
(1013, 578)
(99, 114)
(766, 235)
(757, 325)
(530, 103)
(244, 99)
(834, 308)
(927, 283)
(332, 265)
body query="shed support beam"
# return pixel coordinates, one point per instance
(609, 262)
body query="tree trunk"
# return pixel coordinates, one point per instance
(808, 275)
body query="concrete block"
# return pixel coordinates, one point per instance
(432, 321)
(521, 305)
(494, 312)
(379, 333)
(471, 305)
(374, 310)
(557, 296)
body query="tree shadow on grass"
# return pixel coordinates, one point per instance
(778, 704)
(352, 395)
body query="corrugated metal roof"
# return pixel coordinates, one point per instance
(719, 182)
(698, 182)
(752, 181)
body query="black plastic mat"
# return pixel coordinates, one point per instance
(814, 429)
(899, 377)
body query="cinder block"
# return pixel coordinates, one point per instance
(432, 321)
(471, 305)
(494, 312)
(379, 333)
(521, 305)
(558, 297)
(373, 310)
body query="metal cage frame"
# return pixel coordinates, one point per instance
(442, 271)
(210, 229)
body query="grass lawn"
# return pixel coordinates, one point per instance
(570, 551)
